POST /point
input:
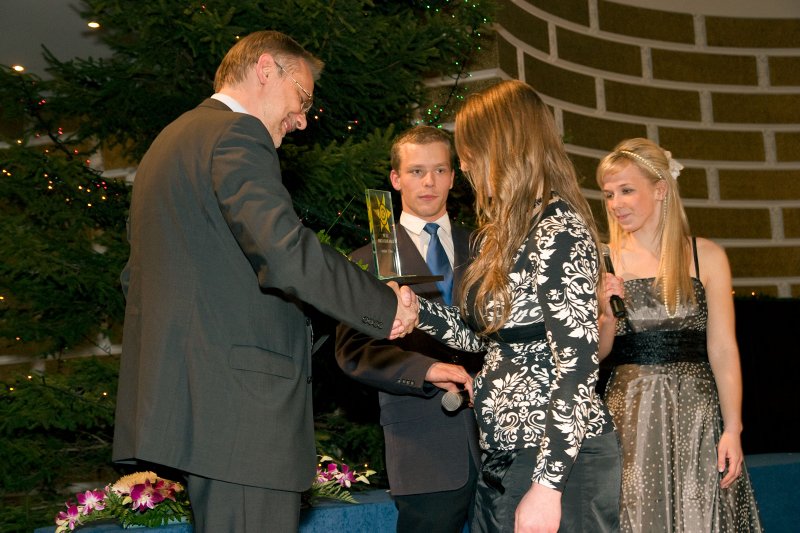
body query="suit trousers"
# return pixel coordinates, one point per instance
(220, 507)
(589, 502)
(437, 512)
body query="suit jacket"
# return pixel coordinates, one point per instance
(427, 449)
(216, 356)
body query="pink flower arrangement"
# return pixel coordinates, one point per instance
(142, 499)
(334, 479)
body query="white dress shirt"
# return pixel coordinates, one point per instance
(414, 226)
(230, 102)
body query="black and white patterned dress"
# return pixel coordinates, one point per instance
(539, 393)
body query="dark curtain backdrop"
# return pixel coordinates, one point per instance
(767, 331)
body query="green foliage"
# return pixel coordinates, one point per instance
(335, 480)
(62, 247)
(354, 166)
(62, 226)
(74, 407)
(165, 512)
(55, 429)
(118, 502)
(166, 54)
(58, 290)
(330, 490)
(351, 442)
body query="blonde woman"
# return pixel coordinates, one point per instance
(550, 453)
(675, 391)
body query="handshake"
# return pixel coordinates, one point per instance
(451, 378)
(407, 315)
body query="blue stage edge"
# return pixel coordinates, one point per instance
(775, 478)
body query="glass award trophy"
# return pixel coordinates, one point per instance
(384, 241)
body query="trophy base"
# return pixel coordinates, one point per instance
(411, 279)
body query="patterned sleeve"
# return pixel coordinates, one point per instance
(566, 278)
(445, 323)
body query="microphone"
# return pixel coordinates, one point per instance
(617, 305)
(453, 401)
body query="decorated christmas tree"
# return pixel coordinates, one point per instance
(62, 242)
(63, 208)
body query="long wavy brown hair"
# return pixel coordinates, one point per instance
(513, 155)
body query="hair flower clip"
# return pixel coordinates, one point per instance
(674, 166)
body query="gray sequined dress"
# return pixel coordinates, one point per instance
(664, 402)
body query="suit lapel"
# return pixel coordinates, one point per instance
(411, 260)
(413, 263)
(461, 254)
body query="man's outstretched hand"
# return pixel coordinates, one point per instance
(407, 315)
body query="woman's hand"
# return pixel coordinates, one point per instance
(612, 285)
(730, 457)
(539, 511)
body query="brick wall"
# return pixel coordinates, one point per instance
(721, 93)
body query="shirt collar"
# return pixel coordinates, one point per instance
(415, 224)
(230, 102)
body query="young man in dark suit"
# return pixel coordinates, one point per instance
(432, 455)
(215, 376)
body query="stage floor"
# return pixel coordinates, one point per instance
(775, 478)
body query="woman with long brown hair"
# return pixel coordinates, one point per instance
(550, 454)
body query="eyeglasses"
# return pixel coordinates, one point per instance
(307, 103)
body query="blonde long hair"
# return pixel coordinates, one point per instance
(672, 280)
(507, 139)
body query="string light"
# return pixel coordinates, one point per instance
(432, 115)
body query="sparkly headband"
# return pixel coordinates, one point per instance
(674, 167)
(643, 161)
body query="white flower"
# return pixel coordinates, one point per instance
(674, 167)
(125, 483)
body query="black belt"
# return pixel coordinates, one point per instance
(527, 333)
(659, 347)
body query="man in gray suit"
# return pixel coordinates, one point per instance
(216, 359)
(432, 455)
